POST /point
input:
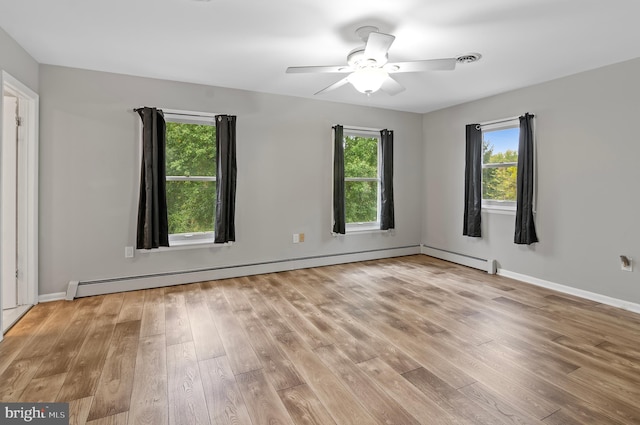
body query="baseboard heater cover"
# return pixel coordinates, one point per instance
(488, 265)
(72, 289)
(78, 289)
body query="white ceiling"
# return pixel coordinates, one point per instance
(248, 44)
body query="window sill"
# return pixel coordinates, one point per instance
(358, 229)
(495, 209)
(182, 245)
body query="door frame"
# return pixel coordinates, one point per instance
(30, 100)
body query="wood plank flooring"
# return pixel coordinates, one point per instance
(410, 340)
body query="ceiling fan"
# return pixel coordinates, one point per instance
(369, 69)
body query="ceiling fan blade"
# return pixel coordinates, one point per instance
(377, 46)
(318, 69)
(448, 64)
(334, 86)
(391, 86)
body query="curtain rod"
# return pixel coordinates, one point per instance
(183, 113)
(142, 107)
(482, 124)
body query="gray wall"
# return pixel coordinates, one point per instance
(588, 171)
(587, 201)
(17, 62)
(89, 168)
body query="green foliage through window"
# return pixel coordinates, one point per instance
(190, 156)
(191, 206)
(499, 181)
(360, 166)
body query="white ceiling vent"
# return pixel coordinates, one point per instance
(469, 58)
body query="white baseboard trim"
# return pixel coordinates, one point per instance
(465, 260)
(56, 296)
(603, 299)
(108, 286)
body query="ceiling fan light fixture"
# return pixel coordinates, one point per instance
(368, 80)
(370, 69)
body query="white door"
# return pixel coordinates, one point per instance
(9, 247)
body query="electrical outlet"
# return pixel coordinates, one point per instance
(301, 237)
(296, 238)
(128, 252)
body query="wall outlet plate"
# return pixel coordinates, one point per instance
(128, 252)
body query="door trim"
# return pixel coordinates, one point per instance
(31, 101)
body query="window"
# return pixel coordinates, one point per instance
(500, 165)
(191, 177)
(362, 180)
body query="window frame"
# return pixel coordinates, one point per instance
(368, 134)
(197, 118)
(496, 205)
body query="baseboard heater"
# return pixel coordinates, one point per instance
(488, 265)
(78, 289)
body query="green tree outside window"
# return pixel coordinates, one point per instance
(190, 153)
(361, 162)
(499, 183)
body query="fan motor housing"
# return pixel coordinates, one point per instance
(357, 60)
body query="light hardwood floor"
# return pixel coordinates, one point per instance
(410, 340)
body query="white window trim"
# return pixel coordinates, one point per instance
(369, 226)
(178, 239)
(196, 239)
(189, 117)
(500, 165)
(494, 205)
(190, 178)
(499, 207)
(184, 246)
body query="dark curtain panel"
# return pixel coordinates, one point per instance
(525, 227)
(473, 182)
(387, 218)
(225, 229)
(153, 222)
(338, 180)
